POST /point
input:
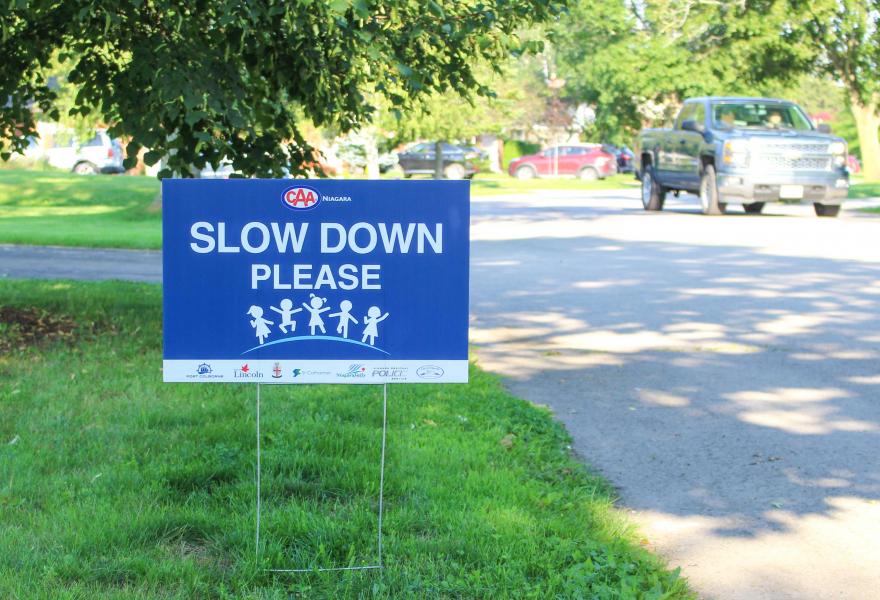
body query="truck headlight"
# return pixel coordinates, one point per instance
(838, 153)
(736, 153)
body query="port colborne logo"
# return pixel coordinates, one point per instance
(204, 371)
(300, 198)
(430, 372)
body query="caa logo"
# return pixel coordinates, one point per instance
(301, 198)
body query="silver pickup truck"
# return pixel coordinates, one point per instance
(747, 151)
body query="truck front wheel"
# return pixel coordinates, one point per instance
(653, 194)
(709, 193)
(826, 210)
(753, 208)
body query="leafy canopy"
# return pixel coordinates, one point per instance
(200, 82)
(635, 60)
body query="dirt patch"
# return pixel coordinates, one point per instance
(22, 328)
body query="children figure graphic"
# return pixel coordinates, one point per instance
(372, 321)
(260, 325)
(286, 313)
(314, 307)
(344, 315)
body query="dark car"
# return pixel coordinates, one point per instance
(458, 163)
(624, 157)
(586, 161)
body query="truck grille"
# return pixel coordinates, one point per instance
(793, 156)
(806, 148)
(805, 163)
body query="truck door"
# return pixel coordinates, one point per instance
(690, 147)
(671, 149)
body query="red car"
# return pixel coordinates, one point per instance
(586, 161)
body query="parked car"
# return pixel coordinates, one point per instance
(586, 161)
(100, 154)
(624, 157)
(458, 163)
(224, 170)
(748, 151)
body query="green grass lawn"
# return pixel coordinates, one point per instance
(866, 190)
(118, 212)
(72, 210)
(115, 485)
(486, 185)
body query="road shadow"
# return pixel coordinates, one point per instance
(714, 381)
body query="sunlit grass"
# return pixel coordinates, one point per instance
(115, 485)
(489, 184)
(866, 190)
(71, 210)
(119, 211)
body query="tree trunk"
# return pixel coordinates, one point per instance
(372, 151)
(438, 159)
(868, 122)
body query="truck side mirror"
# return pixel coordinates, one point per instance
(823, 128)
(691, 125)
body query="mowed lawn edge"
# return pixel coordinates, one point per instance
(62, 209)
(115, 485)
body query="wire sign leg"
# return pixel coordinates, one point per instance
(258, 472)
(379, 564)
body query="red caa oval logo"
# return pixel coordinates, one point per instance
(301, 198)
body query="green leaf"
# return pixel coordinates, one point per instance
(152, 157)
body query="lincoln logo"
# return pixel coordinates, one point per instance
(301, 198)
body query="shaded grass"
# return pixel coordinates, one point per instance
(114, 485)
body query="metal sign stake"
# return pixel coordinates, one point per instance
(380, 564)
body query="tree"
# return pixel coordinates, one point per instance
(636, 61)
(844, 36)
(199, 82)
(515, 100)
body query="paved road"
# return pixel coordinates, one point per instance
(80, 263)
(722, 372)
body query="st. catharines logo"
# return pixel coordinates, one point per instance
(354, 371)
(301, 198)
(245, 372)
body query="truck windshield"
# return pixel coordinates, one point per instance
(760, 115)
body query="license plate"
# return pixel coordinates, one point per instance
(791, 192)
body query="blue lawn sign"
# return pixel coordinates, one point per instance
(315, 281)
